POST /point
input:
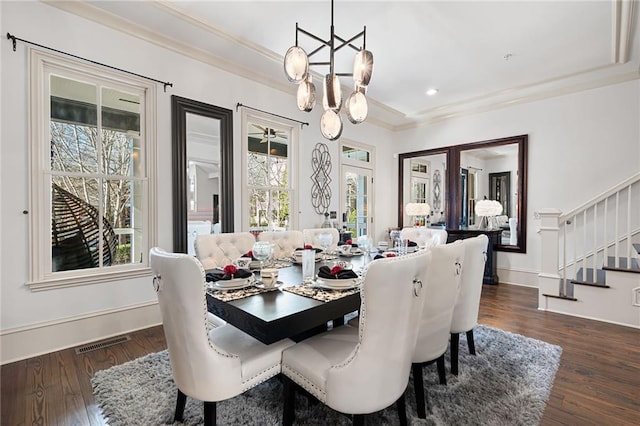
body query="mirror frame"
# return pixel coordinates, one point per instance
(179, 109)
(453, 184)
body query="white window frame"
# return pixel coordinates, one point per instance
(42, 64)
(366, 165)
(293, 131)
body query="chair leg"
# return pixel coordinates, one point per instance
(455, 341)
(288, 412)
(402, 410)
(441, 373)
(470, 342)
(210, 413)
(418, 386)
(180, 402)
(358, 420)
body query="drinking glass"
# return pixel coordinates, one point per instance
(325, 239)
(262, 250)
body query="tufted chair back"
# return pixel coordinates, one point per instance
(311, 236)
(465, 314)
(376, 373)
(284, 242)
(444, 284)
(424, 237)
(196, 363)
(221, 249)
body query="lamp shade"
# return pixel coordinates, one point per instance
(488, 208)
(296, 64)
(417, 209)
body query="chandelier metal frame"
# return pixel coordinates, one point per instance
(298, 70)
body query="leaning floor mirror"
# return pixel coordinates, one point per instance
(202, 171)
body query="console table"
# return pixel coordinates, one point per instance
(490, 275)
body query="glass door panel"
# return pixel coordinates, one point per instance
(357, 200)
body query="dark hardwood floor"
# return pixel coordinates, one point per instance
(598, 382)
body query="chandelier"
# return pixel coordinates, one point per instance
(297, 69)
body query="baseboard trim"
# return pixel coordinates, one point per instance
(517, 277)
(590, 318)
(37, 339)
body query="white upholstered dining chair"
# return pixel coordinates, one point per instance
(284, 242)
(221, 249)
(208, 365)
(311, 236)
(465, 313)
(424, 237)
(444, 278)
(364, 369)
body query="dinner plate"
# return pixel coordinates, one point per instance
(233, 284)
(351, 253)
(337, 284)
(261, 285)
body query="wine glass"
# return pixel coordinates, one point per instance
(262, 250)
(325, 239)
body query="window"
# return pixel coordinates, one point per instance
(270, 175)
(91, 140)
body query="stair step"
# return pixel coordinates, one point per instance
(600, 279)
(611, 262)
(556, 296)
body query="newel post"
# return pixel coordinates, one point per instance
(548, 278)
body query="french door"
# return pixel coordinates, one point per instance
(357, 200)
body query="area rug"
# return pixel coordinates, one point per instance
(507, 383)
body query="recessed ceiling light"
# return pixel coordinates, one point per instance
(432, 92)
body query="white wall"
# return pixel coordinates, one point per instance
(63, 311)
(579, 146)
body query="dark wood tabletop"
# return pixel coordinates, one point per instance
(278, 314)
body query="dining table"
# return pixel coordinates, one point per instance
(270, 316)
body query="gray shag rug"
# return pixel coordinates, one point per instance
(507, 383)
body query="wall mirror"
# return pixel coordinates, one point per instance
(424, 180)
(202, 171)
(494, 170)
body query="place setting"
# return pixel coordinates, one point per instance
(231, 282)
(333, 281)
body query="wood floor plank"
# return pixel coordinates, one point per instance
(66, 385)
(13, 380)
(598, 382)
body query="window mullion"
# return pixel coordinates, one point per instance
(101, 181)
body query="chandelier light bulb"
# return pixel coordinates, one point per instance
(332, 93)
(363, 67)
(306, 96)
(357, 107)
(331, 125)
(296, 64)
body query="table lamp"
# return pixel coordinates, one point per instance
(487, 209)
(418, 210)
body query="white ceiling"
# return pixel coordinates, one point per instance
(479, 54)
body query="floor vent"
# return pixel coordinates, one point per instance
(103, 344)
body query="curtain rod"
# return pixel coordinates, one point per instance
(14, 39)
(302, 123)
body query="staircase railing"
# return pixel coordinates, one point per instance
(599, 233)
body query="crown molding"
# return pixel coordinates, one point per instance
(102, 17)
(532, 97)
